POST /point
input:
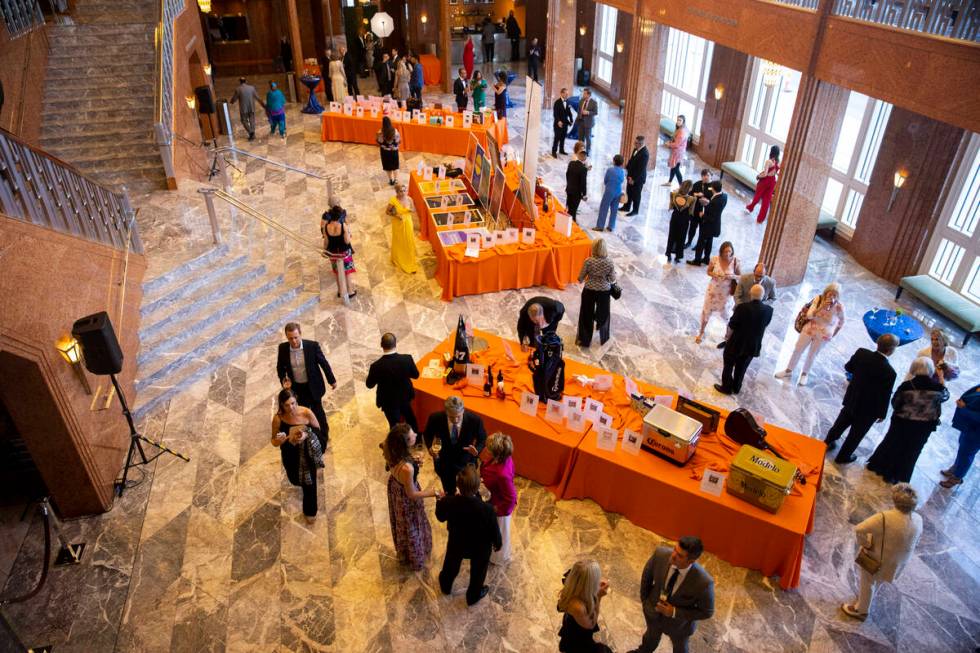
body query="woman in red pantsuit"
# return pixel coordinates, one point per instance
(468, 58)
(766, 185)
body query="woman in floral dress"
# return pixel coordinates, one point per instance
(723, 270)
(410, 528)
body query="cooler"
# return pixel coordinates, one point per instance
(759, 478)
(670, 434)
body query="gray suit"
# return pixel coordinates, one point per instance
(585, 121)
(693, 598)
(745, 283)
(247, 96)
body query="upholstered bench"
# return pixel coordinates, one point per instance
(946, 301)
(743, 172)
(668, 127)
(828, 222)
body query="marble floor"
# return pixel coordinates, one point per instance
(213, 555)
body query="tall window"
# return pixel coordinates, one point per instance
(857, 147)
(953, 256)
(770, 112)
(686, 78)
(605, 44)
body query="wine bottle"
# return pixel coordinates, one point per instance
(500, 385)
(488, 384)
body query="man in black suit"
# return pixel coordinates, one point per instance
(701, 188)
(675, 592)
(460, 88)
(382, 71)
(473, 532)
(636, 176)
(350, 70)
(744, 342)
(533, 59)
(561, 118)
(393, 374)
(298, 368)
(576, 183)
(538, 315)
(866, 399)
(462, 436)
(710, 223)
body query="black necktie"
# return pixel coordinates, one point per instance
(454, 434)
(671, 582)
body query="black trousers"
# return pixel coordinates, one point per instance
(703, 251)
(651, 639)
(352, 86)
(633, 197)
(416, 92)
(558, 144)
(733, 371)
(573, 201)
(305, 398)
(488, 52)
(478, 571)
(515, 49)
(676, 172)
(290, 462)
(395, 414)
(594, 311)
(532, 69)
(447, 475)
(859, 423)
(692, 229)
(675, 240)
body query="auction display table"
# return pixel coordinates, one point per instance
(438, 139)
(648, 490)
(551, 260)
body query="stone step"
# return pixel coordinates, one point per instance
(157, 306)
(75, 76)
(139, 132)
(63, 104)
(93, 52)
(144, 180)
(221, 348)
(99, 117)
(85, 36)
(110, 150)
(106, 88)
(157, 286)
(232, 303)
(113, 16)
(94, 60)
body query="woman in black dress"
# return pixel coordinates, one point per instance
(500, 96)
(681, 206)
(388, 140)
(917, 404)
(295, 432)
(337, 244)
(579, 600)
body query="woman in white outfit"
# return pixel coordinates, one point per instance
(889, 537)
(338, 79)
(824, 320)
(724, 271)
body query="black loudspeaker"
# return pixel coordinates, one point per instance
(99, 345)
(584, 77)
(205, 100)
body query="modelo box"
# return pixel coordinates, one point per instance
(670, 435)
(759, 478)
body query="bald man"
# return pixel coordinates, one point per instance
(746, 329)
(538, 315)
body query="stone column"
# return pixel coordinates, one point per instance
(731, 73)
(644, 84)
(445, 47)
(295, 40)
(559, 62)
(805, 167)
(892, 242)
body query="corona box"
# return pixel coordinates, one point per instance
(670, 434)
(760, 478)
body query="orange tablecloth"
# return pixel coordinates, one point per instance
(551, 261)
(650, 491)
(431, 69)
(438, 139)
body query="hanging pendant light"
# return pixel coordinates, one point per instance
(771, 72)
(204, 6)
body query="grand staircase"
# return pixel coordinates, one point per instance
(99, 104)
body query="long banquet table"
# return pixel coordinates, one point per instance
(648, 490)
(438, 139)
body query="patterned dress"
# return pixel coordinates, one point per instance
(410, 528)
(718, 296)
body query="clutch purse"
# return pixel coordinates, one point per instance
(865, 560)
(615, 291)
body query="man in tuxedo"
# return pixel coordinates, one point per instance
(538, 315)
(636, 176)
(710, 223)
(460, 87)
(382, 70)
(463, 437)
(866, 399)
(299, 366)
(393, 374)
(587, 110)
(576, 183)
(562, 118)
(533, 59)
(350, 70)
(744, 342)
(675, 592)
(700, 189)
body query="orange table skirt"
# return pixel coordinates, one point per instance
(650, 491)
(551, 261)
(431, 69)
(438, 139)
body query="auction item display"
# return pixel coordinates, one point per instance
(761, 479)
(709, 417)
(670, 434)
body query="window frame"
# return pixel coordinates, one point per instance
(606, 18)
(673, 95)
(763, 139)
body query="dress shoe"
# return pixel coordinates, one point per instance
(831, 444)
(784, 374)
(695, 262)
(722, 389)
(483, 592)
(624, 207)
(721, 345)
(563, 152)
(851, 611)
(845, 461)
(947, 472)
(609, 229)
(803, 379)
(951, 482)
(631, 214)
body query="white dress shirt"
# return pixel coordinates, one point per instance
(297, 362)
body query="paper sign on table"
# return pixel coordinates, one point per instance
(513, 235)
(593, 409)
(475, 375)
(508, 352)
(442, 172)
(415, 114)
(529, 403)
(563, 224)
(631, 442)
(427, 173)
(360, 98)
(527, 235)
(489, 240)
(421, 118)
(555, 412)
(335, 107)
(359, 111)
(348, 109)
(576, 420)
(472, 246)
(467, 119)
(712, 482)
(631, 388)
(605, 419)
(467, 217)
(602, 382)
(571, 403)
(444, 201)
(374, 112)
(606, 438)
(420, 168)
(664, 400)
(450, 121)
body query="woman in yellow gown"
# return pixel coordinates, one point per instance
(402, 232)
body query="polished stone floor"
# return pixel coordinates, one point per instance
(213, 555)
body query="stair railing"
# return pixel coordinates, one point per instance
(163, 127)
(220, 165)
(21, 16)
(41, 189)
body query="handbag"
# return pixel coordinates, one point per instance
(615, 291)
(801, 318)
(733, 286)
(865, 560)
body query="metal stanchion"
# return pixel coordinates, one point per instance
(208, 194)
(229, 131)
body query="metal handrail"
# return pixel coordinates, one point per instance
(231, 148)
(158, 45)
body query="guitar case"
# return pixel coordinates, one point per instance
(741, 427)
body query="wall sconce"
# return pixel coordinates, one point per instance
(771, 72)
(581, 30)
(191, 102)
(619, 47)
(70, 350)
(424, 19)
(900, 177)
(204, 6)
(719, 92)
(207, 69)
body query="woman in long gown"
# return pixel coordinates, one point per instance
(723, 270)
(338, 79)
(402, 232)
(468, 57)
(410, 530)
(400, 91)
(765, 185)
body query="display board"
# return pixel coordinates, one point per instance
(483, 187)
(525, 195)
(471, 146)
(494, 150)
(533, 99)
(497, 196)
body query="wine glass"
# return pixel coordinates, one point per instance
(436, 446)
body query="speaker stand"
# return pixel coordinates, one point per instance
(136, 444)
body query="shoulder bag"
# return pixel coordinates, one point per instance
(615, 290)
(801, 318)
(865, 560)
